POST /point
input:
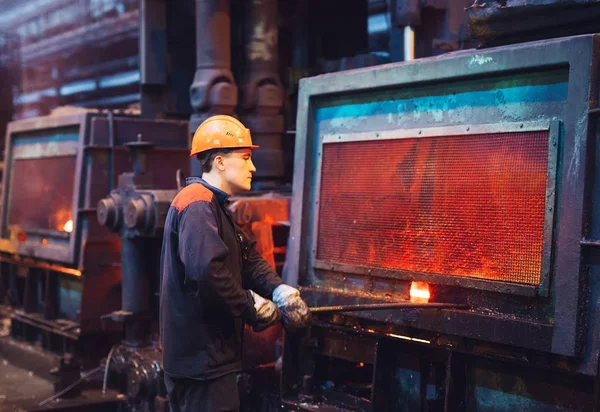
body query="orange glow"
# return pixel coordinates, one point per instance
(393, 335)
(464, 206)
(44, 241)
(419, 292)
(68, 226)
(58, 219)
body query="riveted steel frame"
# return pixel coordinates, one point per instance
(579, 55)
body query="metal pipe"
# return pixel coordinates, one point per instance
(111, 154)
(214, 90)
(135, 290)
(212, 34)
(409, 43)
(262, 91)
(153, 55)
(386, 306)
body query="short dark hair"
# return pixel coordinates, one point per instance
(206, 158)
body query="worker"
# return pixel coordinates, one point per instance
(212, 278)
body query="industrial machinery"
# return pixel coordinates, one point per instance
(61, 270)
(136, 210)
(81, 270)
(469, 178)
(443, 225)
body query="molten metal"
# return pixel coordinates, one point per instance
(419, 292)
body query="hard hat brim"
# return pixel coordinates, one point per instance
(226, 148)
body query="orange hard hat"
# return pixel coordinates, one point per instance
(221, 132)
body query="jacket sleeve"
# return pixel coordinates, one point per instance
(257, 274)
(203, 254)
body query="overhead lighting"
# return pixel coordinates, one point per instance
(120, 79)
(78, 87)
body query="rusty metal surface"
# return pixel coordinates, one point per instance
(271, 207)
(214, 90)
(262, 91)
(258, 215)
(354, 103)
(499, 22)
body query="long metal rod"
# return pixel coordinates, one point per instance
(41, 265)
(385, 306)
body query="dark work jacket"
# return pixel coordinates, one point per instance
(207, 266)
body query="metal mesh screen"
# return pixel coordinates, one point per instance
(456, 205)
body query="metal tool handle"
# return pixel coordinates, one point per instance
(386, 306)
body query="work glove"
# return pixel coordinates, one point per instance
(294, 311)
(267, 313)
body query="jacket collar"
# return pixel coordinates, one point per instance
(221, 196)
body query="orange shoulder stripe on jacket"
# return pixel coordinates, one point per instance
(190, 194)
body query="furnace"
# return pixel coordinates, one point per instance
(473, 173)
(60, 271)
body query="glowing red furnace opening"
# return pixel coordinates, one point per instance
(454, 205)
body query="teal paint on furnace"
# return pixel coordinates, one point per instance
(66, 134)
(485, 98)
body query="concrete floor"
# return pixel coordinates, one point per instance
(21, 389)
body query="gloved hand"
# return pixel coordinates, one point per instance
(267, 313)
(294, 310)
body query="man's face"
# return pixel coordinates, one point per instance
(238, 170)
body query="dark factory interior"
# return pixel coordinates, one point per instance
(426, 177)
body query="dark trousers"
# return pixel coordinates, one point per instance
(214, 395)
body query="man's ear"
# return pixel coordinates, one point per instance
(218, 162)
